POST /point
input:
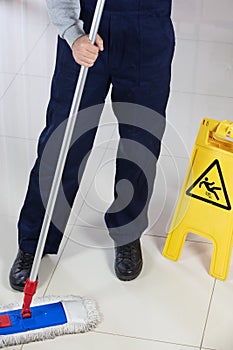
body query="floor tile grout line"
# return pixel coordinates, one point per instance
(33, 47)
(177, 156)
(26, 74)
(208, 312)
(70, 231)
(173, 156)
(96, 146)
(186, 240)
(144, 339)
(8, 73)
(144, 234)
(48, 77)
(203, 40)
(89, 188)
(59, 258)
(18, 138)
(16, 74)
(8, 87)
(13, 75)
(148, 235)
(199, 94)
(56, 265)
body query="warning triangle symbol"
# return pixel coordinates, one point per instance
(210, 187)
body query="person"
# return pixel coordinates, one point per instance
(132, 53)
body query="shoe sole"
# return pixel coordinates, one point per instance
(127, 278)
(18, 288)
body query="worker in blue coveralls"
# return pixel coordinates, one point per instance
(132, 54)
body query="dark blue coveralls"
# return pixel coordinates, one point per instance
(138, 49)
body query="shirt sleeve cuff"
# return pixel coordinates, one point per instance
(73, 33)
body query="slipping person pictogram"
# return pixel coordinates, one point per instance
(209, 188)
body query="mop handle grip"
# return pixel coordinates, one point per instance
(64, 148)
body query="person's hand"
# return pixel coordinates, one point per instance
(84, 52)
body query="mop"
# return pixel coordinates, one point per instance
(49, 317)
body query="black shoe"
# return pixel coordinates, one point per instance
(20, 270)
(128, 261)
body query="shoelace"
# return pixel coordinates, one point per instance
(26, 260)
(127, 252)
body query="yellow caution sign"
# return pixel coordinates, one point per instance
(206, 199)
(210, 187)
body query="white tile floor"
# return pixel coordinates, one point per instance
(170, 306)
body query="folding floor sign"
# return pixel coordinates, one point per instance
(206, 199)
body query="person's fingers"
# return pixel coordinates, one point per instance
(84, 60)
(86, 57)
(84, 63)
(84, 52)
(90, 48)
(89, 55)
(99, 42)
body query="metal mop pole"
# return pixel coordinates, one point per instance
(31, 284)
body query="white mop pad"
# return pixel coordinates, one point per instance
(81, 314)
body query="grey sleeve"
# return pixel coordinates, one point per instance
(64, 15)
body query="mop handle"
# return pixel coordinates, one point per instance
(65, 148)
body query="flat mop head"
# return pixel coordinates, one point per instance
(51, 317)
